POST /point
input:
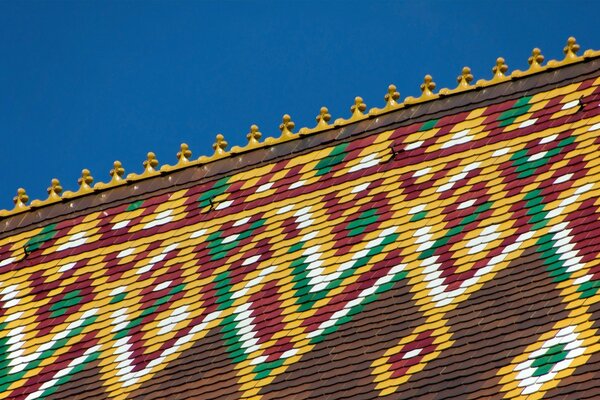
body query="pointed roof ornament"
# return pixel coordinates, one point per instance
(536, 60)
(86, 180)
(54, 190)
(499, 70)
(184, 154)
(391, 97)
(117, 172)
(391, 101)
(571, 49)
(323, 118)
(220, 145)
(286, 127)
(357, 109)
(253, 136)
(183, 158)
(150, 168)
(253, 141)
(21, 199)
(85, 185)
(427, 87)
(465, 78)
(150, 163)
(464, 82)
(322, 122)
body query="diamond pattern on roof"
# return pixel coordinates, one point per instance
(343, 258)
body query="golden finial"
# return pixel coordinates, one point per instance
(150, 168)
(500, 69)
(323, 118)
(286, 127)
(150, 163)
(54, 190)
(391, 101)
(322, 122)
(21, 199)
(184, 155)
(183, 158)
(536, 59)
(253, 136)
(571, 49)
(358, 108)
(427, 86)
(85, 185)
(86, 180)
(117, 172)
(220, 145)
(253, 141)
(391, 97)
(465, 78)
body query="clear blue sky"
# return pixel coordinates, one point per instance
(85, 83)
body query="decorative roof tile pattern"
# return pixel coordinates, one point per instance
(453, 256)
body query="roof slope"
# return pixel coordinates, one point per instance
(447, 249)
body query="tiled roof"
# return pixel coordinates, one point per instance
(443, 249)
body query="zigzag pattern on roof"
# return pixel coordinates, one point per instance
(268, 266)
(357, 113)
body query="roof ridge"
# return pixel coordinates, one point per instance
(287, 126)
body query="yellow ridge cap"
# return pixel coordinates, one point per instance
(287, 126)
